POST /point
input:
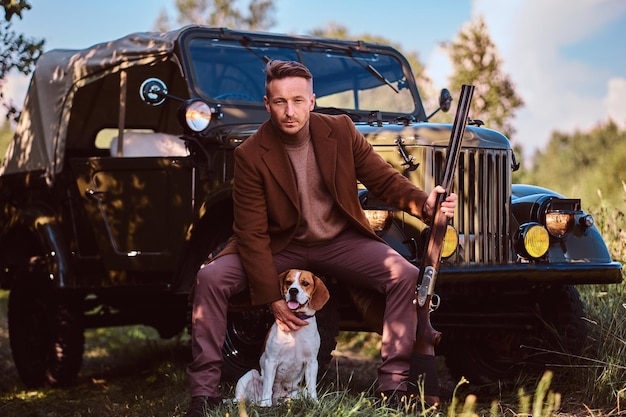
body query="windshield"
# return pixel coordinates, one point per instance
(342, 78)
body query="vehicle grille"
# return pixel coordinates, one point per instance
(482, 183)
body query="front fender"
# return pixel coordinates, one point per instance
(584, 244)
(525, 190)
(34, 240)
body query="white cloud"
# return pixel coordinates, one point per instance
(559, 93)
(614, 102)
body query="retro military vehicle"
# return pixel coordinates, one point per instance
(117, 187)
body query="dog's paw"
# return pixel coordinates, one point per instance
(265, 403)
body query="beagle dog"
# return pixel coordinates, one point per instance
(289, 357)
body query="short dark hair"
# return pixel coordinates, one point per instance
(277, 70)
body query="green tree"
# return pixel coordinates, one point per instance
(339, 31)
(475, 60)
(17, 52)
(589, 165)
(220, 13)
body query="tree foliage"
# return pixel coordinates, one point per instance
(17, 52)
(588, 165)
(475, 60)
(221, 13)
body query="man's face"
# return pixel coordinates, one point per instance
(289, 102)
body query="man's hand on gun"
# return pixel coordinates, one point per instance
(447, 206)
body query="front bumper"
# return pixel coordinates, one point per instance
(560, 273)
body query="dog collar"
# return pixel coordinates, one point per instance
(303, 316)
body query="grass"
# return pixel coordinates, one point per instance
(606, 312)
(603, 365)
(129, 371)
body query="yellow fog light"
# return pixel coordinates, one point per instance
(379, 220)
(559, 223)
(450, 242)
(533, 240)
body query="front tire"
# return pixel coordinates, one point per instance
(245, 340)
(46, 335)
(506, 355)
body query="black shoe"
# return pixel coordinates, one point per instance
(200, 405)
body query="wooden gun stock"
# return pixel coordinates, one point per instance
(423, 360)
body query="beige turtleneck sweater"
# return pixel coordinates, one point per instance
(321, 220)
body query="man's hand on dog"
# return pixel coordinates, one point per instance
(286, 320)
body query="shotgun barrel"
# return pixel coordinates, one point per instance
(423, 360)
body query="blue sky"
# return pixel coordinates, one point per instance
(566, 57)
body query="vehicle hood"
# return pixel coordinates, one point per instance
(432, 134)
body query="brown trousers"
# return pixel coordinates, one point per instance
(352, 258)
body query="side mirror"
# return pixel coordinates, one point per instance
(445, 101)
(153, 91)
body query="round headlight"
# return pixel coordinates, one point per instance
(450, 242)
(533, 240)
(559, 223)
(196, 115)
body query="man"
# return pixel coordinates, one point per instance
(296, 206)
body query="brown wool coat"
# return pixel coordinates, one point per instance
(265, 197)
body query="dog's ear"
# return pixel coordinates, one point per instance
(320, 294)
(281, 281)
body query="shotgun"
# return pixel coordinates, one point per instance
(423, 360)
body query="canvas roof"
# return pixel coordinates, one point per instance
(38, 142)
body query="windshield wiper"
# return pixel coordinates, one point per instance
(350, 50)
(245, 42)
(380, 77)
